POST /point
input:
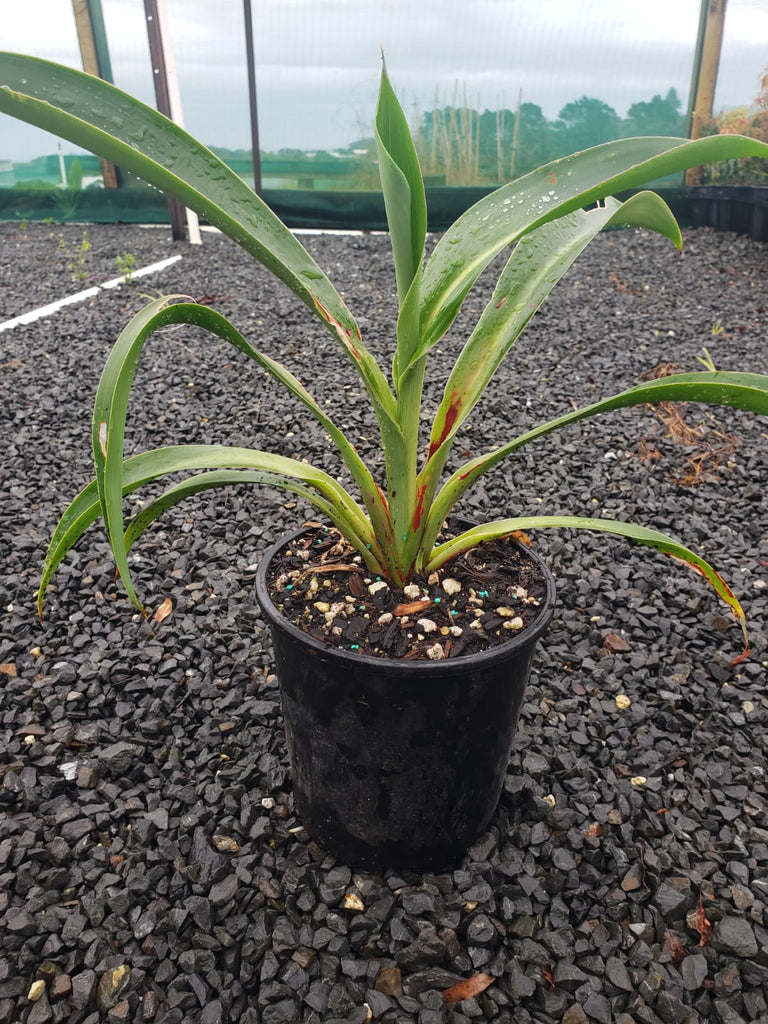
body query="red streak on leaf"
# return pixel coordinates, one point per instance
(500, 304)
(323, 311)
(703, 925)
(467, 989)
(699, 570)
(450, 418)
(341, 330)
(740, 657)
(472, 470)
(552, 178)
(418, 513)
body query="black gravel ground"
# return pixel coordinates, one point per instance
(151, 865)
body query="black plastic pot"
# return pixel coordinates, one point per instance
(398, 763)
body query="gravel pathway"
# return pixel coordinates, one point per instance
(151, 865)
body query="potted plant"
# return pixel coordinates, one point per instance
(403, 638)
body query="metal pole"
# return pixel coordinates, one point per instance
(254, 110)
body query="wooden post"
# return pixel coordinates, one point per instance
(705, 71)
(95, 57)
(168, 102)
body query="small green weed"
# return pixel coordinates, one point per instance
(76, 256)
(126, 264)
(706, 360)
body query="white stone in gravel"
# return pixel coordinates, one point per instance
(412, 591)
(451, 586)
(36, 989)
(427, 625)
(516, 623)
(435, 652)
(353, 902)
(376, 587)
(384, 618)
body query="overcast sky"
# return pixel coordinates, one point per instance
(318, 60)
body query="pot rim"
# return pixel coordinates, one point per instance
(402, 666)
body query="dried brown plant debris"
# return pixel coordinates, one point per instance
(710, 444)
(622, 286)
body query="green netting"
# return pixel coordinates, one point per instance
(491, 90)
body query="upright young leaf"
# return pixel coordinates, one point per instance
(406, 208)
(403, 187)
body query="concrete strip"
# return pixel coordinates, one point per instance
(52, 307)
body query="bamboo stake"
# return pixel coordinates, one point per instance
(705, 74)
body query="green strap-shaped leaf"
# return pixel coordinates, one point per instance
(406, 208)
(747, 391)
(361, 541)
(537, 264)
(545, 194)
(111, 405)
(208, 481)
(650, 538)
(314, 484)
(215, 323)
(103, 119)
